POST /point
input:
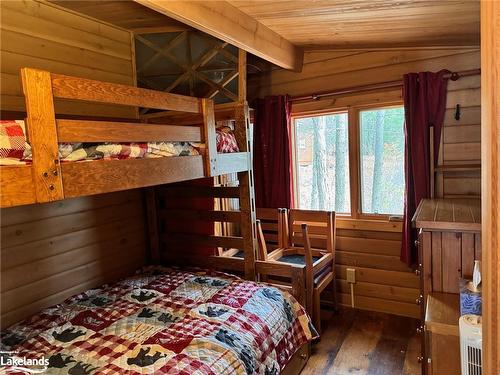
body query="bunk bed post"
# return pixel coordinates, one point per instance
(210, 135)
(42, 134)
(242, 75)
(246, 189)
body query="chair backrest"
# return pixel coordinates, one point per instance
(320, 227)
(271, 221)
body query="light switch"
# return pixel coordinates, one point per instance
(351, 275)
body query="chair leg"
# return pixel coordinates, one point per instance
(309, 302)
(334, 293)
(317, 310)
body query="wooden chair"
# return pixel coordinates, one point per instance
(283, 275)
(309, 240)
(271, 221)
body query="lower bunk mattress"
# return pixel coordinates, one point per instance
(165, 321)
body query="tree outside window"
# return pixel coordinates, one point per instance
(323, 164)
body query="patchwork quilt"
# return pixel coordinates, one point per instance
(14, 149)
(165, 321)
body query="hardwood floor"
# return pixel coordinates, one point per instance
(358, 342)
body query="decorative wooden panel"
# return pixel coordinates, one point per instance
(36, 34)
(52, 251)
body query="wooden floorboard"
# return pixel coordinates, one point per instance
(365, 343)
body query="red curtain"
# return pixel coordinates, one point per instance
(272, 154)
(424, 96)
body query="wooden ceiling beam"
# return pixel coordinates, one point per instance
(224, 21)
(160, 29)
(384, 47)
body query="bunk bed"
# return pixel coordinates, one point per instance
(48, 179)
(155, 295)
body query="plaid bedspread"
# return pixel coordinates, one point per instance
(14, 149)
(166, 321)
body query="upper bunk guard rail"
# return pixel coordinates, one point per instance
(107, 131)
(238, 111)
(48, 180)
(66, 87)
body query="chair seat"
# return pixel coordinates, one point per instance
(239, 254)
(295, 259)
(301, 260)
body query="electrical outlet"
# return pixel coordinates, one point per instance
(351, 275)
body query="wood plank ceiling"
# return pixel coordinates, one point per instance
(369, 23)
(279, 30)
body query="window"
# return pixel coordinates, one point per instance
(322, 163)
(366, 182)
(382, 160)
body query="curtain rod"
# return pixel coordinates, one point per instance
(375, 86)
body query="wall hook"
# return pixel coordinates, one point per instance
(457, 112)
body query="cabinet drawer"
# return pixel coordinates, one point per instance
(444, 354)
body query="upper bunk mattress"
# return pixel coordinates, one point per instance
(166, 321)
(14, 148)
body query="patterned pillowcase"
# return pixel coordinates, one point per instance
(226, 141)
(12, 139)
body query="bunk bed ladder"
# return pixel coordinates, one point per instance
(169, 245)
(246, 185)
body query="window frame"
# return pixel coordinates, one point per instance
(354, 130)
(294, 146)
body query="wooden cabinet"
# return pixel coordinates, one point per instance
(442, 334)
(448, 243)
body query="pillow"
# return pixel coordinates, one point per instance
(13, 143)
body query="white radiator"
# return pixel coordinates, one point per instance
(471, 341)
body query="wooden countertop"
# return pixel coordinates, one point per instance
(449, 214)
(442, 313)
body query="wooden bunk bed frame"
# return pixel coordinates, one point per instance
(46, 179)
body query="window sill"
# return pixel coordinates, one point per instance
(381, 217)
